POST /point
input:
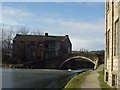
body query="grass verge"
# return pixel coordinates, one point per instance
(103, 84)
(77, 81)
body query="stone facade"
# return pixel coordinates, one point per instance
(28, 48)
(112, 54)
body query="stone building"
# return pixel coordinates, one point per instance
(28, 48)
(112, 55)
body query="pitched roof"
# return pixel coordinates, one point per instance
(39, 37)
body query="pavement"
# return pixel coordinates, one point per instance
(91, 80)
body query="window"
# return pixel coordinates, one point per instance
(46, 46)
(31, 43)
(112, 65)
(106, 76)
(113, 80)
(108, 5)
(116, 38)
(108, 43)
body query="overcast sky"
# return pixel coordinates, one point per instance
(84, 22)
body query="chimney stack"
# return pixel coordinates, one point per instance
(46, 34)
(67, 36)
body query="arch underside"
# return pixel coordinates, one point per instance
(77, 63)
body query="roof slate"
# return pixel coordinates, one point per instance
(38, 37)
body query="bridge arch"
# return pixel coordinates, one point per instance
(78, 57)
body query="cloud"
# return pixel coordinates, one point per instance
(14, 16)
(93, 44)
(87, 34)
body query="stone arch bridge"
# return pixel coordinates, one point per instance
(66, 61)
(85, 62)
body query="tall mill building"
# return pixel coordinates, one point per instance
(29, 48)
(112, 56)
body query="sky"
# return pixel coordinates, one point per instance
(84, 22)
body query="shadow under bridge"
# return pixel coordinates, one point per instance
(78, 62)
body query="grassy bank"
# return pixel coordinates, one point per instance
(103, 84)
(77, 81)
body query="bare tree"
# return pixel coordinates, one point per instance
(8, 33)
(22, 30)
(7, 37)
(25, 30)
(36, 31)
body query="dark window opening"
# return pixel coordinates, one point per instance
(40, 45)
(106, 76)
(108, 5)
(32, 43)
(22, 42)
(46, 46)
(116, 45)
(113, 80)
(108, 43)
